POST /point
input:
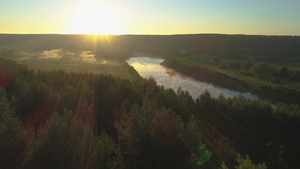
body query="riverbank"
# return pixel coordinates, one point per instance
(276, 94)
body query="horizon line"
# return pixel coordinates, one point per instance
(132, 34)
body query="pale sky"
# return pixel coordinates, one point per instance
(260, 17)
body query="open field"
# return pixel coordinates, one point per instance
(112, 67)
(68, 60)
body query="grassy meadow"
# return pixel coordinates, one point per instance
(70, 61)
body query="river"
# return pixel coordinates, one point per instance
(148, 66)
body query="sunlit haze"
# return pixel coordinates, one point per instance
(150, 17)
(95, 17)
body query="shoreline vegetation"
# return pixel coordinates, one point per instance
(276, 94)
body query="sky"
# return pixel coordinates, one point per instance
(258, 17)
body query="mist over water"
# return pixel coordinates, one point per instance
(150, 67)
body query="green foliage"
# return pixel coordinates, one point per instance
(145, 131)
(216, 60)
(245, 163)
(283, 71)
(8, 53)
(248, 65)
(288, 73)
(66, 143)
(288, 110)
(101, 121)
(54, 143)
(106, 153)
(223, 166)
(9, 71)
(261, 70)
(10, 126)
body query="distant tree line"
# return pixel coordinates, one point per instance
(261, 70)
(218, 44)
(258, 70)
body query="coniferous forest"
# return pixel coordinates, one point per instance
(58, 119)
(71, 101)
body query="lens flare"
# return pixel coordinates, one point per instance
(204, 154)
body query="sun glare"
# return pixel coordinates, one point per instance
(95, 17)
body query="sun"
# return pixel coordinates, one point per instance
(95, 17)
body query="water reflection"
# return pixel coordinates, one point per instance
(150, 67)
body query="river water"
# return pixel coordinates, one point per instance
(150, 67)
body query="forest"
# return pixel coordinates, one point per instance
(71, 101)
(58, 119)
